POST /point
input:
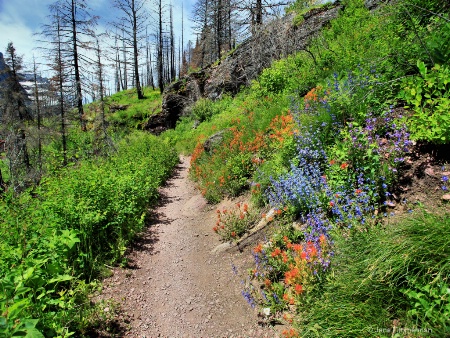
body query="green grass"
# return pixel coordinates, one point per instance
(371, 273)
(137, 111)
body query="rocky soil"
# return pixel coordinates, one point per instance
(174, 285)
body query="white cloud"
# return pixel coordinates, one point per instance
(19, 20)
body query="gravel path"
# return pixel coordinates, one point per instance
(176, 287)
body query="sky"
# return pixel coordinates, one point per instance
(21, 19)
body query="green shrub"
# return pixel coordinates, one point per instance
(428, 94)
(56, 238)
(204, 109)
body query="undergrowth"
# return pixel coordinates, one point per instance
(323, 135)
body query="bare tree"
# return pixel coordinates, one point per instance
(75, 24)
(133, 24)
(160, 47)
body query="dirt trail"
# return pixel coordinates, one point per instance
(175, 286)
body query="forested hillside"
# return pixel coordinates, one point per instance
(340, 150)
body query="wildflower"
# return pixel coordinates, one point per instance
(445, 178)
(331, 204)
(241, 216)
(297, 247)
(322, 238)
(276, 252)
(289, 276)
(215, 229)
(245, 207)
(258, 248)
(267, 282)
(287, 317)
(332, 162)
(233, 234)
(344, 165)
(358, 191)
(238, 205)
(266, 311)
(298, 289)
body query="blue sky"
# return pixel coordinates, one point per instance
(20, 19)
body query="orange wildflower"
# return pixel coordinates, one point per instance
(297, 247)
(298, 289)
(344, 165)
(245, 207)
(285, 257)
(276, 252)
(258, 248)
(332, 162)
(290, 275)
(288, 317)
(267, 282)
(233, 234)
(311, 249)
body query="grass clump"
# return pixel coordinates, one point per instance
(125, 109)
(384, 281)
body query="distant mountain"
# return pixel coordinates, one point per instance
(26, 81)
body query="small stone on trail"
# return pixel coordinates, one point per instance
(429, 171)
(446, 197)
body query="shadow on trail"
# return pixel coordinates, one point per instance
(150, 236)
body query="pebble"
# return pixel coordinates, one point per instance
(446, 197)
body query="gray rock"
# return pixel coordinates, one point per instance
(213, 141)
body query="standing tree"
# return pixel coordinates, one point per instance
(160, 47)
(15, 114)
(133, 24)
(75, 24)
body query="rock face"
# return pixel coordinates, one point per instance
(273, 42)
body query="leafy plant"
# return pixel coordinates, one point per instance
(232, 224)
(428, 94)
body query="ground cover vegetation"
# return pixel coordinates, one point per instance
(322, 137)
(57, 235)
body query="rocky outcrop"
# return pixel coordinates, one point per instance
(272, 42)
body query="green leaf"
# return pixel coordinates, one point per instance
(60, 278)
(422, 67)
